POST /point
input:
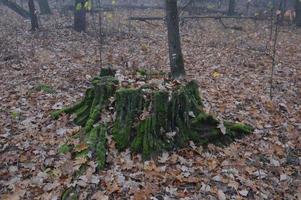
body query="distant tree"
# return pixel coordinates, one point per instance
(298, 12)
(33, 15)
(174, 41)
(231, 8)
(15, 7)
(44, 7)
(80, 16)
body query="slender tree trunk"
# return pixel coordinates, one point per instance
(33, 15)
(174, 40)
(298, 13)
(15, 7)
(44, 7)
(80, 16)
(231, 8)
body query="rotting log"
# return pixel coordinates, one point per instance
(148, 120)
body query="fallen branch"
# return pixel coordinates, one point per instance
(195, 17)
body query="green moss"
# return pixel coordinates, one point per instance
(69, 194)
(181, 112)
(129, 105)
(97, 143)
(82, 154)
(101, 148)
(238, 127)
(75, 108)
(56, 114)
(92, 137)
(65, 148)
(83, 109)
(92, 118)
(160, 109)
(142, 72)
(150, 73)
(137, 144)
(82, 119)
(107, 72)
(15, 115)
(45, 88)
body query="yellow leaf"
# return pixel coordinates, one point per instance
(216, 74)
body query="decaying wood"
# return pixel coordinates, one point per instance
(148, 120)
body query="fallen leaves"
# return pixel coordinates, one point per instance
(234, 81)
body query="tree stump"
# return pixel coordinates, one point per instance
(146, 119)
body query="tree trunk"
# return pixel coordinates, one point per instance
(33, 15)
(146, 119)
(15, 7)
(44, 7)
(231, 8)
(174, 41)
(283, 10)
(80, 16)
(298, 13)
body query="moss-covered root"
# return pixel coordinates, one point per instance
(205, 128)
(150, 136)
(97, 142)
(89, 95)
(129, 105)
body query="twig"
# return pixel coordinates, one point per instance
(274, 56)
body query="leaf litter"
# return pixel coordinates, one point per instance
(234, 81)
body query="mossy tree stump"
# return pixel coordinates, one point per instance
(148, 120)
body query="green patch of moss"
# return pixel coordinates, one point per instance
(82, 154)
(94, 115)
(129, 105)
(45, 88)
(69, 194)
(65, 148)
(101, 148)
(107, 72)
(15, 115)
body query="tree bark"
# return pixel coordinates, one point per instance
(15, 7)
(231, 9)
(174, 40)
(44, 7)
(283, 10)
(80, 16)
(298, 13)
(33, 16)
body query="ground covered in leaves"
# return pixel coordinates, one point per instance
(52, 68)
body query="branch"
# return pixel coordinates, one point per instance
(195, 17)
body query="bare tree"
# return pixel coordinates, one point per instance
(80, 16)
(44, 7)
(298, 12)
(33, 15)
(231, 8)
(174, 40)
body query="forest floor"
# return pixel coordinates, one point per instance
(50, 69)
